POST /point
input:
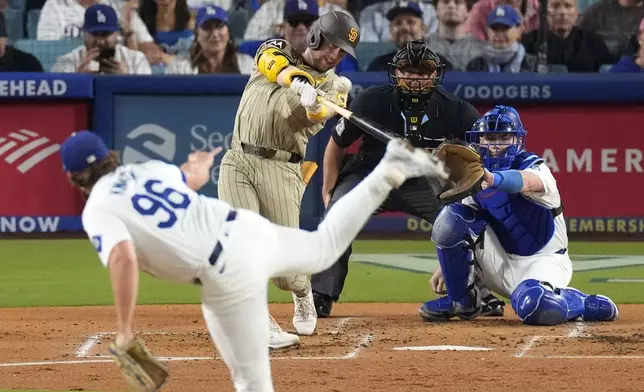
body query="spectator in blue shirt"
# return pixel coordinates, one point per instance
(632, 63)
(299, 15)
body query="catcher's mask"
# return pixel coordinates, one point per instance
(498, 136)
(415, 72)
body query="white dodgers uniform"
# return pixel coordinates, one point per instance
(185, 237)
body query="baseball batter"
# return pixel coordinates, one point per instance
(278, 112)
(514, 233)
(149, 217)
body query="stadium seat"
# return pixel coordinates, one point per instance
(557, 68)
(158, 69)
(237, 21)
(32, 23)
(367, 51)
(15, 29)
(18, 4)
(48, 51)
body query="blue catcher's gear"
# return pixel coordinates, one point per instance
(500, 120)
(537, 303)
(452, 233)
(522, 226)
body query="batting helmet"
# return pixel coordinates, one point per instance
(416, 57)
(337, 27)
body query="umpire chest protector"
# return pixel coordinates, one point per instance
(522, 226)
(425, 126)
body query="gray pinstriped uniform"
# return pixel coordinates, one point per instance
(271, 116)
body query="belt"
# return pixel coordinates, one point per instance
(218, 247)
(268, 153)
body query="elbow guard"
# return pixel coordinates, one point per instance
(271, 62)
(291, 73)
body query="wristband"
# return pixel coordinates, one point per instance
(509, 181)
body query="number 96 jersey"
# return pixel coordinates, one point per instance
(174, 229)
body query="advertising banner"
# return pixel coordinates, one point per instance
(168, 128)
(36, 196)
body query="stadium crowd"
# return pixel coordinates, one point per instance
(222, 36)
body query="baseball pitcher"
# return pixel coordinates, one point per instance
(264, 170)
(512, 234)
(149, 217)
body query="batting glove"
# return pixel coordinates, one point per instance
(309, 99)
(308, 95)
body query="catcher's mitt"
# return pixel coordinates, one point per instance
(465, 168)
(139, 367)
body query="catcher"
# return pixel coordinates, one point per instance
(263, 171)
(512, 233)
(415, 105)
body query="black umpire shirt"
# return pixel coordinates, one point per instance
(448, 117)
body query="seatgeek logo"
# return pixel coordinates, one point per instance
(149, 141)
(25, 149)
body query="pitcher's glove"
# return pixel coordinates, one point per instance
(465, 167)
(139, 367)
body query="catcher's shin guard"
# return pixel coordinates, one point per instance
(452, 233)
(595, 307)
(537, 303)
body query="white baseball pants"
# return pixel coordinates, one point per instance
(502, 273)
(234, 290)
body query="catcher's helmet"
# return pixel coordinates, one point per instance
(337, 27)
(417, 58)
(499, 150)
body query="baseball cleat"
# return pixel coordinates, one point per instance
(439, 309)
(323, 304)
(404, 161)
(278, 338)
(305, 317)
(492, 306)
(442, 309)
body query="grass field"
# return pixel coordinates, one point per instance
(68, 273)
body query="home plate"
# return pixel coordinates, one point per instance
(442, 348)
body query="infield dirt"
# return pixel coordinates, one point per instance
(363, 347)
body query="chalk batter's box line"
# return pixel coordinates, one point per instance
(575, 332)
(362, 344)
(93, 340)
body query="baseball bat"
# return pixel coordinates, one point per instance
(370, 127)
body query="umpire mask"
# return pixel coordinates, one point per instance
(415, 72)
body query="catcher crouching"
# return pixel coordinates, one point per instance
(505, 225)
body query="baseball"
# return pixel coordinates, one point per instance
(344, 84)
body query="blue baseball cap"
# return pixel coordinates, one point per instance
(81, 149)
(211, 12)
(306, 8)
(504, 15)
(101, 18)
(404, 7)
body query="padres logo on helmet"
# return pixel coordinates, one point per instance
(353, 35)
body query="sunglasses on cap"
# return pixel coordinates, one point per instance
(295, 21)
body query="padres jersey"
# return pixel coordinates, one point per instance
(548, 199)
(270, 115)
(174, 229)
